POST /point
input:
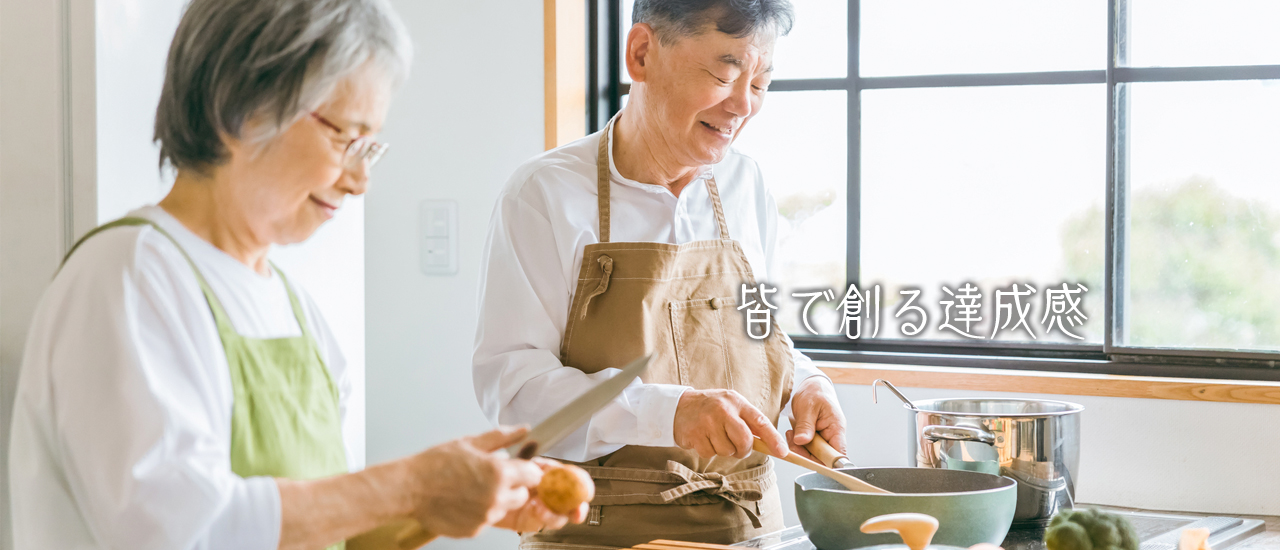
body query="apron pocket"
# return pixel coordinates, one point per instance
(698, 333)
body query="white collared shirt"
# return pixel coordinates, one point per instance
(122, 420)
(546, 215)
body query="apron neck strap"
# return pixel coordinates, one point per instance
(604, 178)
(295, 303)
(219, 314)
(719, 208)
(220, 317)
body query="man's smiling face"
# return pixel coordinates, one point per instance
(703, 89)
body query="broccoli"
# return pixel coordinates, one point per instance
(1089, 530)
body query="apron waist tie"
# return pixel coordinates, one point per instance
(744, 489)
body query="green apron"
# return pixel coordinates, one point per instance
(284, 415)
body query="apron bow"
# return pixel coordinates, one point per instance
(740, 488)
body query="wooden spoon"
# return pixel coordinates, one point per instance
(826, 454)
(849, 482)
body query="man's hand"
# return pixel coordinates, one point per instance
(722, 422)
(815, 407)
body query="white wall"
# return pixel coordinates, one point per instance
(132, 43)
(470, 113)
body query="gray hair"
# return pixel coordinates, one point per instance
(675, 19)
(248, 69)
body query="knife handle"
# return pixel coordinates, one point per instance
(824, 452)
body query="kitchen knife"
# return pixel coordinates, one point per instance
(569, 418)
(549, 432)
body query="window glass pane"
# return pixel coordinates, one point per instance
(818, 46)
(1190, 33)
(800, 142)
(906, 37)
(988, 187)
(1204, 215)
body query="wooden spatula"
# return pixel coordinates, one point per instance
(849, 482)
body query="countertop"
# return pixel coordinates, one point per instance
(1269, 540)
(793, 538)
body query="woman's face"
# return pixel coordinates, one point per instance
(288, 188)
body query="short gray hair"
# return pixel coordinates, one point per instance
(675, 19)
(232, 61)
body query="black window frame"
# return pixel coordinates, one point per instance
(604, 98)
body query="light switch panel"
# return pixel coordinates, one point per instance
(438, 237)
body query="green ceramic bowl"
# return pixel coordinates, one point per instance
(971, 507)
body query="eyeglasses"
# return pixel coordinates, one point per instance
(361, 152)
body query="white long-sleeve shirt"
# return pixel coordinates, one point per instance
(122, 422)
(545, 216)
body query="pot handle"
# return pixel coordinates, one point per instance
(958, 433)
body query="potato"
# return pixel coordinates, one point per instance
(565, 487)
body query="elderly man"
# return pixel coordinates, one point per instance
(639, 239)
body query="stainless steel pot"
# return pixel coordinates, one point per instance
(1035, 442)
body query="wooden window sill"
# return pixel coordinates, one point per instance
(1055, 383)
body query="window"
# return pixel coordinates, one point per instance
(1089, 185)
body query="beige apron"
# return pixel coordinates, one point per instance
(678, 302)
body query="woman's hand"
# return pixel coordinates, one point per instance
(535, 516)
(460, 487)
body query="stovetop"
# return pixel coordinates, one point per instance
(1156, 531)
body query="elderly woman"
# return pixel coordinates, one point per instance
(178, 391)
(644, 237)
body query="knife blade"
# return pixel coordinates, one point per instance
(570, 417)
